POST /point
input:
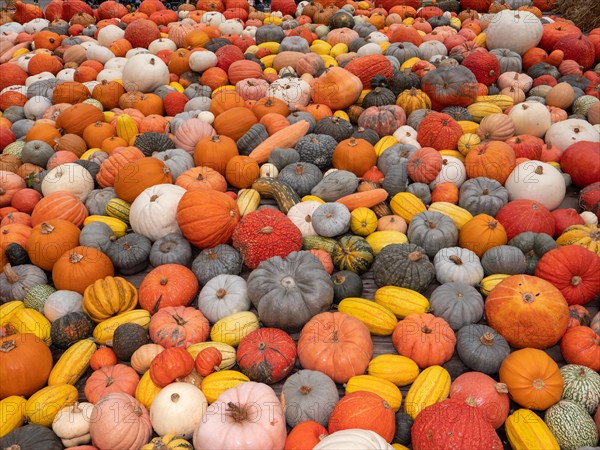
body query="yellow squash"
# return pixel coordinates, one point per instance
(399, 447)
(235, 327)
(397, 369)
(503, 101)
(468, 126)
(379, 320)
(8, 309)
(119, 209)
(491, 281)
(384, 143)
(126, 127)
(526, 430)
(105, 330)
(379, 239)
(407, 205)
(483, 109)
(42, 407)
(431, 386)
(380, 386)
(28, 320)
(467, 141)
(146, 390)
(401, 301)
(73, 363)
(218, 382)
(247, 201)
(587, 236)
(459, 215)
(108, 297)
(118, 227)
(227, 352)
(12, 413)
(363, 221)
(170, 441)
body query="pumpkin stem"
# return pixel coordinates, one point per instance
(153, 198)
(456, 260)
(163, 281)
(175, 397)
(538, 384)
(487, 338)
(11, 275)
(539, 170)
(14, 447)
(212, 255)
(528, 297)
(179, 320)
(426, 330)
(262, 346)
(288, 282)
(501, 388)
(576, 280)
(305, 390)
(236, 412)
(221, 293)
(7, 346)
(471, 401)
(266, 230)
(75, 258)
(109, 381)
(415, 256)
(215, 138)
(46, 228)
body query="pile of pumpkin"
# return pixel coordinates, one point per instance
(152, 157)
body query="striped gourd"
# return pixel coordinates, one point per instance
(227, 352)
(73, 363)
(503, 101)
(571, 425)
(118, 227)
(119, 209)
(379, 239)
(8, 309)
(233, 328)
(42, 407)
(431, 386)
(146, 390)
(480, 110)
(12, 413)
(380, 386)
(397, 369)
(126, 127)
(216, 383)
(379, 320)
(318, 243)
(454, 153)
(491, 281)
(401, 301)
(468, 126)
(407, 205)
(459, 215)
(247, 201)
(384, 143)
(480, 39)
(105, 330)
(582, 385)
(526, 430)
(283, 194)
(467, 141)
(28, 320)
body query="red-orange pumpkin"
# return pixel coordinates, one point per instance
(581, 345)
(178, 326)
(140, 174)
(109, 379)
(59, 205)
(167, 285)
(170, 364)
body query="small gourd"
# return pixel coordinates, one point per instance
(72, 424)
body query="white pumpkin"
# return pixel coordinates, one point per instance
(231, 26)
(456, 264)
(162, 44)
(136, 51)
(36, 106)
(198, 103)
(23, 61)
(99, 53)
(515, 80)
(453, 171)
(90, 85)
(178, 408)
(536, 180)
(377, 37)
(429, 49)
(109, 34)
(530, 118)
(72, 424)
(206, 117)
(222, 296)
(353, 439)
(294, 91)
(35, 26)
(567, 132)
(39, 77)
(249, 31)
(154, 212)
(93, 101)
(369, 49)
(61, 303)
(66, 75)
(88, 44)
(589, 218)
(69, 177)
(516, 30)
(212, 18)
(15, 88)
(109, 75)
(145, 73)
(200, 61)
(269, 170)
(406, 135)
(116, 63)
(301, 215)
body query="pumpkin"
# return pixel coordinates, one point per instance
(129, 184)
(178, 327)
(108, 297)
(520, 216)
(533, 378)
(77, 117)
(403, 265)
(493, 160)
(243, 409)
(223, 295)
(49, 240)
(215, 152)
(167, 285)
(578, 380)
(298, 281)
(354, 155)
(208, 360)
(348, 88)
(450, 86)
(103, 357)
(577, 160)
(305, 433)
(32, 436)
(29, 358)
(59, 205)
(481, 348)
(440, 131)
(79, 267)
(580, 345)
(532, 180)
(457, 303)
(71, 328)
(131, 429)
(561, 419)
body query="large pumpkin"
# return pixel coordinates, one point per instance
(493, 159)
(527, 311)
(167, 285)
(79, 267)
(481, 233)
(207, 218)
(354, 155)
(133, 178)
(336, 344)
(178, 327)
(59, 205)
(520, 216)
(49, 240)
(336, 88)
(450, 86)
(76, 118)
(111, 379)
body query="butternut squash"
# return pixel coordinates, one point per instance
(364, 199)
(285, 138)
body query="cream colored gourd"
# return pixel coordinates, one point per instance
(61, 303)
(109, 34)
(516, 30)
(69, 177)
(453, 171)
(530, 118)
(200, 61)
(222, 296)
(154, 212)
(536, 180)
(301, 215)
(72, 424)
(567, 132)
(143, 356)
(353, 439)
(160, 44)
(145, 72)
(178, 408)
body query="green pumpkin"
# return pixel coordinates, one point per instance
(31, 437)
(582, 385)
(352, 253)
(37, 295)
(71, 328)
(534, 246)
(403, 265)
(336, 127)
(317, 149)
(571, 425)
(346, 284)
(127, 339)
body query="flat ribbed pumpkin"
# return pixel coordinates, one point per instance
(59, 205)
(77, 117)
(111, 166)
(492, 159)
(234, 122)
(207, 218)
(140, 174)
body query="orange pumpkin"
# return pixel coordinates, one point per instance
(70, 92)
(533, 378)
(481, 233)
(492, 159)
(43, 132)
(207, 218)
(111, 379)
(111, 166)
(355, 155)
(445, 192)
(225, 99)
(110, 144)
(59, 205)
(215, 152)
(202, 179)
(214, 77)
(43, 62)
(95, 133)
(77, 117)
(79, 267)
(168, 285)
(72, 143)
(268, 105)
(140, 174)
(528, 311)
(274, 122)
(153, 123)
(108, 93)
(149, 104)
(14, 233)
(49, 240)
(241, 171)
(234, 122)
